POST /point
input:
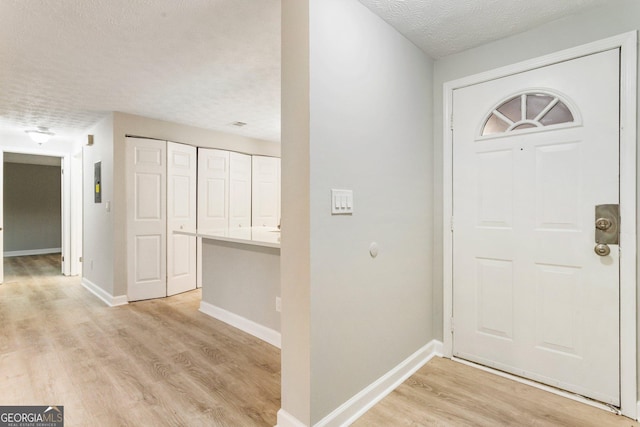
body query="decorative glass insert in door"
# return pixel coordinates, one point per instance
(527, 111)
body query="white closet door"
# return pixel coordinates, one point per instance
(265, 206)
(146, 218)
(181, 216)
(239, 190)
(213, 195)
(213, 189)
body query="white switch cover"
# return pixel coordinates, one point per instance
(341, 202)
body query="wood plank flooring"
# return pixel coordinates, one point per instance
(163, 363)
(149, 363)
(448, 393)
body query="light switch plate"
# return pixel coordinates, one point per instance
(341, 202)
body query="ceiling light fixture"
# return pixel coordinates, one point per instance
(41, 135)
(239, 124)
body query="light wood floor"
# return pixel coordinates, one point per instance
(150, 363)
(448, 393)
(163, 363)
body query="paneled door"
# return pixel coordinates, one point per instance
(181, 216)
(213, 189)
(239, 190)
(533, 155)
(265, 192)
(213, 195)
(146, 172)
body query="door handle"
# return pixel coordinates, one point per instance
(602, 249)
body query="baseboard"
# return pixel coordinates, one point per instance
(285, 419)
(242, 323)
(105, 297)
(28, 252)
(355, 407)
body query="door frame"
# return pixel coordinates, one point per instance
(627, 43)
(69, 229)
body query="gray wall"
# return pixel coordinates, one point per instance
(242, 279)
(32, 203)
(619, 16)
(369, 130)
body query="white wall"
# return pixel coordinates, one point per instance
(370, 131)
(619, 16)
(295, 235)
(98, 247)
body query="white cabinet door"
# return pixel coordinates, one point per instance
(146, 218)
(265, 192)
(181, 216)
(239, 190)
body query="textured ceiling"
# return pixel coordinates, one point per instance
(206, 63)
(444, 27)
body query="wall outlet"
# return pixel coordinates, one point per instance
(278, 304)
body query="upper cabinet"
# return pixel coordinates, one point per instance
(265, 192)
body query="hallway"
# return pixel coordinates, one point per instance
(157, 362)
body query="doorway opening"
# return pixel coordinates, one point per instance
(32, 210)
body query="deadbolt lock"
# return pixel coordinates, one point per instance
(607, 220)
(603, 224)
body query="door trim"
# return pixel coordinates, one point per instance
(70, 229)
(628, 93)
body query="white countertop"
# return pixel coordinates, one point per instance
(258, 236)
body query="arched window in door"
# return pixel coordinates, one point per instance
(527, 110)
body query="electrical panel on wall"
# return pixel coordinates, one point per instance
(97, 178)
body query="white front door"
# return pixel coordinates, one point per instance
(533, 154)
(181, 216)
(146, 174)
